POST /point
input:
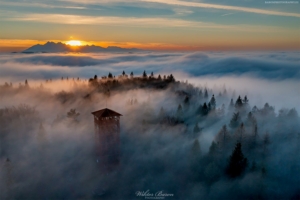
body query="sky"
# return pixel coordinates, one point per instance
(152, 24)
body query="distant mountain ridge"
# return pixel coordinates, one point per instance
(52, 47)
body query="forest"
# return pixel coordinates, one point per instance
(192, 141)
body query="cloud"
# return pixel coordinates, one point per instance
(273, 65)
(137, 22)
(224, 7)
(154, 156)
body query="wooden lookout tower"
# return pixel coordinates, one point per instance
(107, 136)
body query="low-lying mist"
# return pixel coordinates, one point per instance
(216, 130)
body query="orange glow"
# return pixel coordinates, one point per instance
(74, 43)
(10, 45)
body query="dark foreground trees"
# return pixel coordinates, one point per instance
(237, 162)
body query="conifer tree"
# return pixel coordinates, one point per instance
(239, 102)
(144, 74)
(200, 94)
(213, 102)
(205, 93)
(213, 149)
(231, 105)
(26, 83)
(245, 100)
(237, 162)
(205, 109)
(235, 120)
(223, 136)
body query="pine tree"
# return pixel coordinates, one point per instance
(235, 120)
(231, 105)
(266, 142)
(205, 109)
(131, 74)
(240, 133)
(110, 75)
(213, 149)
(123, 73)
(26, 83)
(223, 136)
(200, 94)
(205, 93)
(237, 162)
(171, 78)
(213, 102)
(144, 74)
(95, 77)
(159, 77)
(245, 100)
(239, 102)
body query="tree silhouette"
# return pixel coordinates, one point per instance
(110, 75)
(159, 77)
(205, 109)
(231, 104)
(235, 120)
(237, 162)
(131, 74)
(223, 136)
(123, 73)
(205, 93)
(213, 102)
(213, 149)
(171, 78)
(239, 102)
(200, 93)
(144, 74)
(245, 100)
(26, 83)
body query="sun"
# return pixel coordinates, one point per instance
(74, 43)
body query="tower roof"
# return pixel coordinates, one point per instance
(106, 113)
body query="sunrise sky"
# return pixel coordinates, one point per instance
(152, 24)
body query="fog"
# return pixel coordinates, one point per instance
(45, 154)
